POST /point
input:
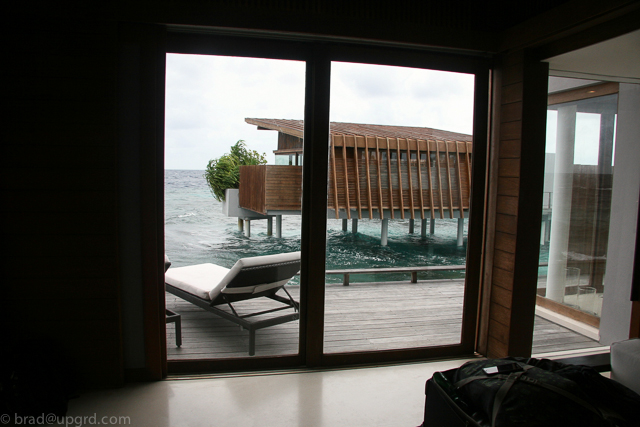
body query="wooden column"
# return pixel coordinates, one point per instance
(514, 200)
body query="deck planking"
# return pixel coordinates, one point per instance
(359, 317)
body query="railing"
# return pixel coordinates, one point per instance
(346, 273)
(413, 270)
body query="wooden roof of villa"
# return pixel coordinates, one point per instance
(296, 128)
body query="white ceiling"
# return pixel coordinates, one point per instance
(617, 59)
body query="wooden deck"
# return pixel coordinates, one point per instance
(360, 317)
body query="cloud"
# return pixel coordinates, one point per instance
(402, 96)
(208, 98)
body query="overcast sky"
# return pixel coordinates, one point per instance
(208, 98)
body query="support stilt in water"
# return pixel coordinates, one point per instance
(384, 232)
(247, 228)
(344, 225)
(423, 228)
(279, 226)
(270, 226)
(354, 225)
(412, 226)
(240, 224)
(432, 226)
(460, 231)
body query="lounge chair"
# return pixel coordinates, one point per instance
(209, 285)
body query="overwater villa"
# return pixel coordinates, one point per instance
(375, 172)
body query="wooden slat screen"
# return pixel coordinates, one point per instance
(398, 174)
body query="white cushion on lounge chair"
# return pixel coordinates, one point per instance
(198, 279)
(207, 281)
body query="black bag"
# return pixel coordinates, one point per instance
(530, 393)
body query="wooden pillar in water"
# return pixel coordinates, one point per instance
(423, 228)
(270, 226)
(432, 226)
(384, 232)
(460, 231)
(412, 225)
(247, 228)
(344, 224)
(354, 225)
(240, 224)
(279, 226)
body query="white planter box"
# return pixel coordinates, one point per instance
(231, 206)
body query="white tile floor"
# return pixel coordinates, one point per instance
(387, 396)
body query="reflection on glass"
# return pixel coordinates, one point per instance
(577, 201)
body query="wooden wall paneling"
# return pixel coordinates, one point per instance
(534, 115)
(390, 180)
(460, 195)
(450, 183)
(468, 160)
(507, 205)
(499, 331)
(506, 223)
(509, 168)
(501, 296)
(503, 260)
(356, 156)
(379, 169)
(368, 168)
(439, 174)
(346, 179)
(334, 177)
(400, 189)
(487, 344)
(410, 180)
(509, 186)
(431, 201)
(419, 162)
(522, 118)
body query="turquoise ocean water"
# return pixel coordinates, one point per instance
(196, 231)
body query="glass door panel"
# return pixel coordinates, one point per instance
(398, 206)
(229, 196)
(577, 211)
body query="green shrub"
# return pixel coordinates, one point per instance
(224, 172)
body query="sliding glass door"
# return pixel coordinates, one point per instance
(401, 150)
(372, 174)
